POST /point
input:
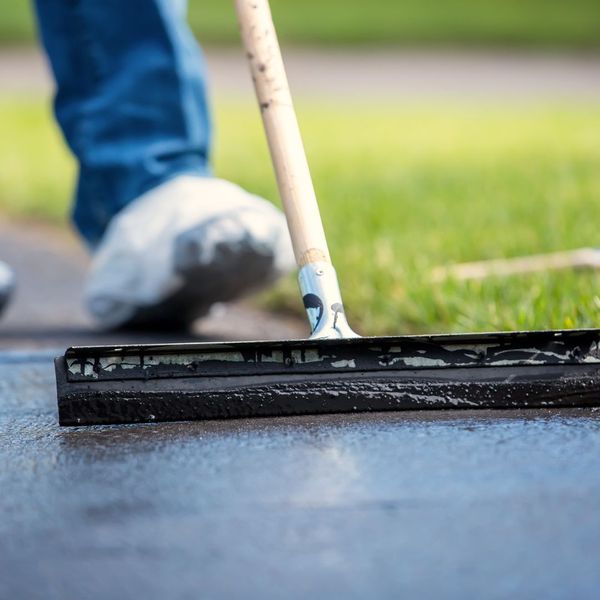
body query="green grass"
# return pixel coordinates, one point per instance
(16, 22)
(543, 23)
(402, 189)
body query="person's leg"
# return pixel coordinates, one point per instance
(130, 99)
(169, 241)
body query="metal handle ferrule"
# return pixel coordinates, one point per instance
(323, 302)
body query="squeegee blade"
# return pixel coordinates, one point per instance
(174, 382)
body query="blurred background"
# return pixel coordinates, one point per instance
(525, 23)
(437, 132)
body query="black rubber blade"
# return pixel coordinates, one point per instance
(174, 382)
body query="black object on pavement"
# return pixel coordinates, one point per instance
(104, 384)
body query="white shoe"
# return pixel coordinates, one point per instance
(171, 254)
(7, 284)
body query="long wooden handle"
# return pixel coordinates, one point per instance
(283, 134)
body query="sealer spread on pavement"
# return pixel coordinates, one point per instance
(431, 504)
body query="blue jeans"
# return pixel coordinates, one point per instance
(130, 99)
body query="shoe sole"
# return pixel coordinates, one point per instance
(205, 285)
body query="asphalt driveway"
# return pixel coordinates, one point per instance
(461, 504)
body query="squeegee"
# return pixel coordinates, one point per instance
(334, 370)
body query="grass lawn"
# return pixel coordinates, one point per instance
(545, 23)
(402, 189)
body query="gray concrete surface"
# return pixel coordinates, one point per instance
(430, 505)
(47, 310)
(395, 75)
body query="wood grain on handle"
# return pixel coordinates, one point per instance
(283, 134)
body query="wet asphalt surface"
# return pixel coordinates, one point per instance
(448, 504)
(463, 504)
